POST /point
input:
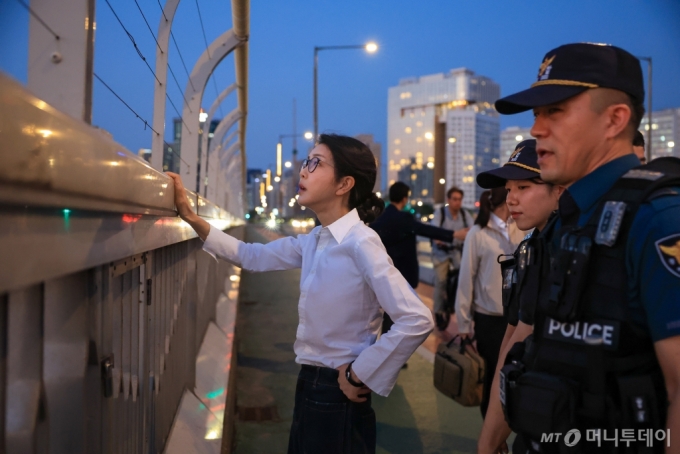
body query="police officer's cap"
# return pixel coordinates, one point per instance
(572, 69)
(522, 165)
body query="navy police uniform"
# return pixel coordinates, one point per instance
(610, 263)
(518, 280)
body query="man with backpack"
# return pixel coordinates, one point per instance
(446, 256)
(398, 230)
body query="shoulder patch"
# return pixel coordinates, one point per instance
(643, 174)
(669, 253)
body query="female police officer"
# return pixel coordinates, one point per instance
(531, 202)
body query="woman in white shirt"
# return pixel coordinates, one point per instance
(479, 295)
(347, 281)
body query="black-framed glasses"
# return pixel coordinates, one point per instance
(312, 164)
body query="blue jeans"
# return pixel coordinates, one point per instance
(325, 421)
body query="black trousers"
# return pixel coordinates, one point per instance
(325, 421)
(489, 332)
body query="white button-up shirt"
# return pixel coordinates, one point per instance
(347, 277)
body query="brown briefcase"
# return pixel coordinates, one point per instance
(459, 372)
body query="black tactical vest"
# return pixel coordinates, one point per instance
(590, 364)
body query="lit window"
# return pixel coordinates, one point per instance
(671, 144)
(407, 130)
(429, 135)
(430, 165)
(424, 192)
(452, 140)
(519, 138)
(397, 141)
(405, 95)
(419, 139)
(414, 177)
(442, 181)
(397, 151)
(419, 123)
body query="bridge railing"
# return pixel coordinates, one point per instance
(116, 329)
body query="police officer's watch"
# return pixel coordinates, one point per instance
(348, 376)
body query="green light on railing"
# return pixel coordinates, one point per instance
(67, 221)
(214, 394)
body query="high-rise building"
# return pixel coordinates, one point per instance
(510, 137)
(445, 127)
(253, 181)
(665, 132)
(376, 149)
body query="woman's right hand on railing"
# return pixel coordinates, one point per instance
(201, 227)
(181, 201)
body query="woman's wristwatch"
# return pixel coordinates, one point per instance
(348, 376)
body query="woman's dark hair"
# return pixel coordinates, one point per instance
(489, 201)
(352, 158)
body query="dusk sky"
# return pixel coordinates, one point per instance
(503, 39)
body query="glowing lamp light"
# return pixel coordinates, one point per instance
(309, 135)
(429, 136)
(202, 117)
(442, 181)
(452, 140)
(288, 165)
(518, 138)
(371, 47)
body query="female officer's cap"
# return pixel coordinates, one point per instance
(522, 165)
(574, 68)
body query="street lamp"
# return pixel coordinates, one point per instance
(369, 47)
(649, 106)
(279, 147)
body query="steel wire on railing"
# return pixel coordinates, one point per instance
(142, 119)
(39, 19)
(172, 73)
(205, 40)
(139, 52)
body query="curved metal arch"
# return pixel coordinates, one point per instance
(222, 128)
(160, 89)
(204, 67)
(227, 141)
(211, 170)
(235, 195)
(211, 114)
(230, 153)
(221, 172)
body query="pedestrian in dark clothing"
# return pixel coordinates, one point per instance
(398, 230)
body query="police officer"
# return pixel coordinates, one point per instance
(605, 353)
(532, 202)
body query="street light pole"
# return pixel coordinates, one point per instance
(369, 47)
(649, 106)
